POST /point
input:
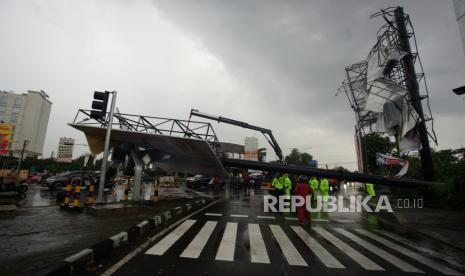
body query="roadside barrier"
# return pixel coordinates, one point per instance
(156, 193)
(68, 193)
(90, 195)
(77, 193)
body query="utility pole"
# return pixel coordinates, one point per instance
(22, 154)
(411, 83)
(103, 169)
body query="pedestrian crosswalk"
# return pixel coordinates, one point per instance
(334, 248)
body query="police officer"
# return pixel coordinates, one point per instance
(277, 185)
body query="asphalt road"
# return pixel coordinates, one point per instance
(235, 237)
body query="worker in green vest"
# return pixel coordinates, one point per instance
(370, 189)
(287, 184)
(314, 184)
(277, 185)
(324, 188)
(324, 191)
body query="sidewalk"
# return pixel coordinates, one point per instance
(40, 236)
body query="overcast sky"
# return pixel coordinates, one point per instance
(276, 64)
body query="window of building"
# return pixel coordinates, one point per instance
(18, 101)
(2, 108)
(3, 100)
(14, 118)
(15, 110)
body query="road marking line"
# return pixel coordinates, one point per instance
(322, 254)
(238, 216)
(228, 243)
(381, 253)
(417, 257)
(142, 247)
(258, 252)
(163, 245)
(291, 218)
(196, 246)
(214, 214)
(289, 251)
(349, 251)
(439, 255)
(266, 217)
(319, 220)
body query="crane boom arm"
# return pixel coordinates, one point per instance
(266, 132)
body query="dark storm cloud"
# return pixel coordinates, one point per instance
(294, 52)
(277, 64)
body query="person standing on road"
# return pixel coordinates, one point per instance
(304, 190)
(324, 191)
(246, 183)
(314, 185)
(277, 185)
(287, 184)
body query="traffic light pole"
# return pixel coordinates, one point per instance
(103, 169)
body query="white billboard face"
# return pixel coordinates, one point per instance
(65, 150)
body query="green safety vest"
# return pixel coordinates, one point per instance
(370, 189)
(314, 184)
(324, 186)
(287, 184)
(277, 184)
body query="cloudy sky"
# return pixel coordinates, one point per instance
(277, 64)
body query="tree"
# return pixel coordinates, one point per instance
(298, 158)
(374, 143)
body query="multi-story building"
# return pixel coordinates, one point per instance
(28, 113)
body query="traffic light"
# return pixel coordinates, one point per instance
(99, 105)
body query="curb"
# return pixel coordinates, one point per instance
(77, 262)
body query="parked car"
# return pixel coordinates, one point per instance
(34, 178)
(197, 181)
(60, 180)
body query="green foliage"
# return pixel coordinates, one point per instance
(298, 158)
(50, 164)
(450, 170)
(374, 143)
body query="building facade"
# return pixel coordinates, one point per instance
(28, 113)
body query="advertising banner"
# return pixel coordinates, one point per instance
(65, 150)
(5, 138)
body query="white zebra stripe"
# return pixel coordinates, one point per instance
(163, 245)
(322, 254)
(289, 251)
(417, 257)
(381, 253)
(196, 246)
(228, 243)
(258, 252)
(349, 251)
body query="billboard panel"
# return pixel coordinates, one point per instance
(5, 137)
(65, 150)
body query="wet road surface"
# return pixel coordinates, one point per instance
(235, 237)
